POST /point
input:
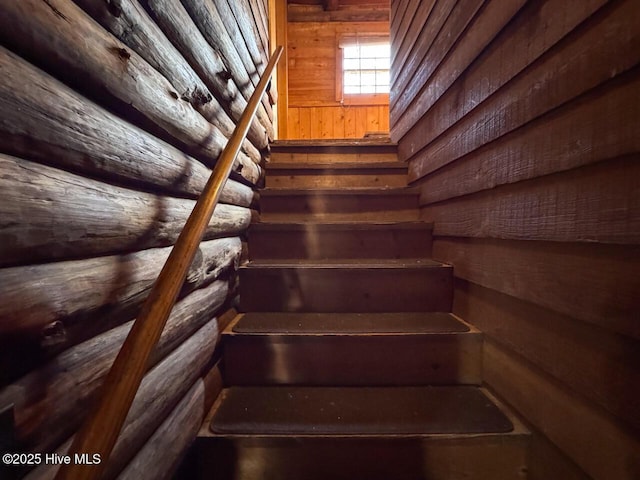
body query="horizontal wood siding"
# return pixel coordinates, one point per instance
(520, 124)
(314, 110)
(112, 116)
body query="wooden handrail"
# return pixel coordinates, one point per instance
(99, 433)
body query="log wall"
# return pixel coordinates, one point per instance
(112, 115)
(520, 124)
(314, 110)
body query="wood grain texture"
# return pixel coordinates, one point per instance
(337, 122)
(606, 47)
(74, 133)
(479, 34)
(590, 437)
(592, 283)
(403, 41)
(512, 51)
(161, 390)
(91, 57)
(427, 35)
(92, 294)
(412, 78)
(98, 218)
(51, 400)
(600, 366)
(213, 28)
(177, 25)
(599, 203)
(599, 127)
(134, 27)
(347, 13)
(162, 452)
(313, 50)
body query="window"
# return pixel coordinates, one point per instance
(363, 70)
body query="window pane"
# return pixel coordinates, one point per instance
(366, 69)
(382, 77)
(368, 78)
(351, 52)
(351, 78)
(351, 64)
(369, 64)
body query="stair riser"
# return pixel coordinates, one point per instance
(317, 243)
(432, 359)
(481, 457)
(339, 207)
(363, 178)
(301, 157)
(346, 290)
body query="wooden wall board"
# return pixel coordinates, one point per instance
(427, 36)
(513, 50)
(405, 11)
(594, 440)
(605, 47)
(599, 127)
(412, 79)
(572, 279)
(403, 42)
(601, 366)
(479, 34)
(599, 203)
(348, 13)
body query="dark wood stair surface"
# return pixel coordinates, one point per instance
(331, 349)
(348, 323)
(357, 411)
(345, 363)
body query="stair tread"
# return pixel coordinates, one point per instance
(342, 225)
(350, 191)
(349, 263)
(348, 323)
(357, 411)
(335, 165)
(349, 145)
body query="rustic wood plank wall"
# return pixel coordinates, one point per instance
(520, 124)
(112, 115)
(314, 111)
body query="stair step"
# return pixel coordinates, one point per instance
(418, 348)
(336, 175)
(333, 151)
(345, 204)
(374, 433)
(357, 285)
(320, 240)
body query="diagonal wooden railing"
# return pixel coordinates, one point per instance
(99, 433)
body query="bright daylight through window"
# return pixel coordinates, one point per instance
(365, 68)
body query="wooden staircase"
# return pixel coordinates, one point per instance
(347, 363)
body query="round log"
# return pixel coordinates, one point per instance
(161, 454)
(160, 391)
(44, 120)
(48, 214)
(212, 26)
(131, 24)
(176, 23)
(64, 39)
(77, 298)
